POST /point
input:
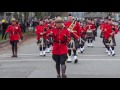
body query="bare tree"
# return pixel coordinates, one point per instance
(26, 14)
(53, 14)
(15, 15)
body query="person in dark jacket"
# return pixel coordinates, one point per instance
(23, 27)
(4, 27)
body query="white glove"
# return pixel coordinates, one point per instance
(41, 33)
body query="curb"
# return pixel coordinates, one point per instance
(4, 43)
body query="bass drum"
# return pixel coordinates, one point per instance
(89, 34)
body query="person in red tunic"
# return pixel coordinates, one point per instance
(102, 28)
(41, 37)
(51, 26)
(15, 33)
(74, 28)
(89, 33)
(83, 40)
(47, 25)
(109, 36)
(94, 29)
(61, 38)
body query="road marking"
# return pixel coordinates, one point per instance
(50, 54)
(23, 60)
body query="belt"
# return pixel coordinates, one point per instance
(60, 42)
(13, 33)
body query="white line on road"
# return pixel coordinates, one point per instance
(6, 55)
(22, 60)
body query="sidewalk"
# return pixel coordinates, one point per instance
(4, 43)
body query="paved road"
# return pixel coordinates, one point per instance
(93, 63)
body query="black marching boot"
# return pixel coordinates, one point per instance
(63, 68)
(58, 71)
(16, 48)
(13, 52)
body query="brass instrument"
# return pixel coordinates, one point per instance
(71, 30)
(72, 44)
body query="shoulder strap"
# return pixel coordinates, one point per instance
(72, 25)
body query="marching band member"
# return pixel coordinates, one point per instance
(50, 39)
(102, 28)
(109, 35)
(15, 34)
(41, 37)
(89, 33)
(82, 38)
(83, 33)
(61, 38)
(79, 46)
(94, 29)
(74, 28)
(47, 26)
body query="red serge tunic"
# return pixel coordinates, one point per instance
(77, 29)
(60, 46)
(40, 29)
(90, 26)
(84, 30)
(109, 30)
(15, 32)
(103, 27)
